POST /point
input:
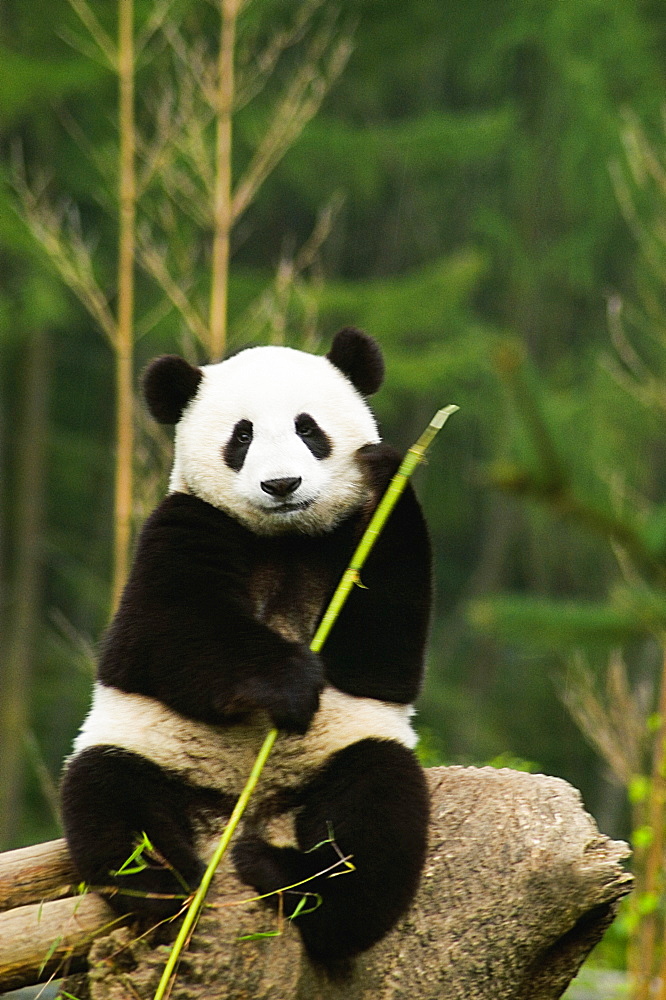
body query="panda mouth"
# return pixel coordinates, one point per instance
(288, 507)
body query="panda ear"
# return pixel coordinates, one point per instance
(358, 357)
(169, 383)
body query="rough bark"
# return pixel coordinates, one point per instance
(518, 888)
(33, 874)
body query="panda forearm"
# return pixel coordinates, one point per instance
(185, 622)
(377, 647)
(209, 670)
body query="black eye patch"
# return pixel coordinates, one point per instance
(237, 446)
(312, 436)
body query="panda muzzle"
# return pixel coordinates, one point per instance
(281, 488)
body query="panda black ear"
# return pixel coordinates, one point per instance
(358, 357)
(169, 383)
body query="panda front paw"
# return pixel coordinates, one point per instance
(267, 869)
(294, 699)
(380, 462)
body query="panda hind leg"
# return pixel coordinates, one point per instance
(372, 799)
(110, 798)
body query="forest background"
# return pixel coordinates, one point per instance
(483, 189)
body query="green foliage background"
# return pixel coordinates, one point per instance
(472, 146)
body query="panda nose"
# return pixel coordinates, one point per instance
(281, 487)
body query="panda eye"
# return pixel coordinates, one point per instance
(242, 433)
(313, 437)
(237, 446)
(305, 425)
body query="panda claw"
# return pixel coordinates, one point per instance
(262, 866)
(295, 717)
(297, 699)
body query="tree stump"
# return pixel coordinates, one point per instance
(518, 887)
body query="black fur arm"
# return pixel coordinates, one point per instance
(185, 634)
(376, 648)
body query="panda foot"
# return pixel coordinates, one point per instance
(266, 868)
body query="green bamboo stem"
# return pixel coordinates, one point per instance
(350, 577)
(123, 343)
(196, 906)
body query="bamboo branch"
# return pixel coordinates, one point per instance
(298, 106)
(94, 28)
(124, 340)
(258, 69)
(270, 308)
(222, 214)
(642, 954)
(153, 260)
(57, 232)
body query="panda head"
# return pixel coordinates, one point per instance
(270, 435)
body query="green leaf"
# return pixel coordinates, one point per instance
(136, 862)
(259, 935)
(50, 953)
(300, 906)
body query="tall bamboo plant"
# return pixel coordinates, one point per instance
(640, 180)
(59, 234)
(169, 180)
(222, 217)
(124, 338)
(196, 180)
(174, 175)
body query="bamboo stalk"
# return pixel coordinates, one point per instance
(414, 456)
(124, 336)
(222, 196)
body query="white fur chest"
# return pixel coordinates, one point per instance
(221, 757)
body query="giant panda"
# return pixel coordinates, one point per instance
(278, 466)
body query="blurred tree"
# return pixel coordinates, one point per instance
(23, 617)
(615, 491)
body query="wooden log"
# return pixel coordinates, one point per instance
(39, 940)
(518, 887)
(31, 874)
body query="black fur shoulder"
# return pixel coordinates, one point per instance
(185, 632)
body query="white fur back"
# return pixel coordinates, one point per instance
(221, 757)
